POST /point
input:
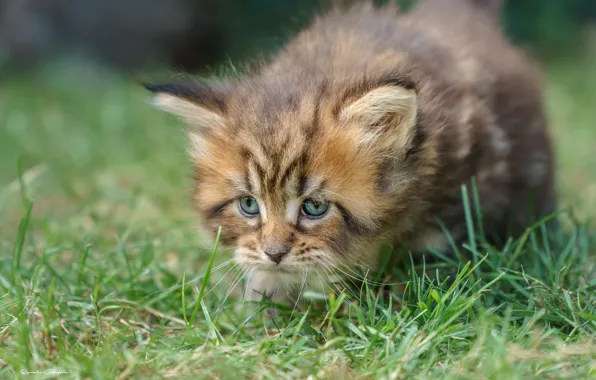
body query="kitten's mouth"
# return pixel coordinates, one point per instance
(282, 268)
(277, 268)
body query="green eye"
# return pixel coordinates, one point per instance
(249, 205)
(315, 208)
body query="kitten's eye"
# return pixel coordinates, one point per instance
(249, 205)
(315, 208)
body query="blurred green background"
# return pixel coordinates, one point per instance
(195, 34)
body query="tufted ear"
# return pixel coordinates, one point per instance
(386, 115)
(200, 106)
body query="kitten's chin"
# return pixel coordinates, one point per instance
(278, 270)
(272, 285)
(281, 269)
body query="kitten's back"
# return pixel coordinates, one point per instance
(479, 97)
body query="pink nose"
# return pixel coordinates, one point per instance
(276, 252)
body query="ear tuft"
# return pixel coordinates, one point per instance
(198, 117)
(386, 115)
(209, 96)
(201, 107)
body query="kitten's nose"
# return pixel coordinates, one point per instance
(276, 252)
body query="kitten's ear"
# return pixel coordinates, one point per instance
(386, 115)
(201, 106)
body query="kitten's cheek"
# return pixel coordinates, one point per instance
(232, 228)
(247, 257)
(227, 238)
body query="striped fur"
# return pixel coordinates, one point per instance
(384, 116)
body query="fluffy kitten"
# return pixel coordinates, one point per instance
(361, 131)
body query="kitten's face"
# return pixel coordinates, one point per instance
(298, 184)
(288, 202)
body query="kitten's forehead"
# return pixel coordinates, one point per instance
(276, 134)
(277, 167)
(269, 100)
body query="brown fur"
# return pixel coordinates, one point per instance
(384, 115)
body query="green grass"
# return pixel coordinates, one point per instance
(101, 262)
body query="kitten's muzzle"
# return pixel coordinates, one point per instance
(276, 252)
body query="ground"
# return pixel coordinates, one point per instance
(104, 274)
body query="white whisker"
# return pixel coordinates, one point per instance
(235, 283)
(355, 275)
(302, 286)
(323, 285)
(328, 272)
(235, 266)
(199, 277)
(248, 278)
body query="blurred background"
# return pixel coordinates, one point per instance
(194, 34)
(76, 126)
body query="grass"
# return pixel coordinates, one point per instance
(103, 273)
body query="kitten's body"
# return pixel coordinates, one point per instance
(382, 115)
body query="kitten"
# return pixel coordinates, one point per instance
(360, 132)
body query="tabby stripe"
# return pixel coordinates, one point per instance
(272, 177)
(302, 185)
(353, 224)
(251, 162)
(215, 211)
(250, 157)
(249, 186)
(296, 164)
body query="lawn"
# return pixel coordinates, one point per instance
(104, 274)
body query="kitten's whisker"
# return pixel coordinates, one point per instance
(235, 283)
(363, 264)
(248, 278)
(235, 266)
(199, 277)
(360, 277)
(346, 300)
(328, 271)
(302, 286)
(328, 263)
(351, 280)
(336, 267)
(323, 285)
